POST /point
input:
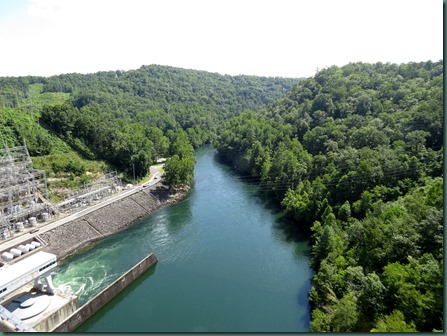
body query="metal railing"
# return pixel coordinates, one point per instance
(20, 326)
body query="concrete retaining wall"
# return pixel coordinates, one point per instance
(71, 237)
(58, 316)
(92, 306)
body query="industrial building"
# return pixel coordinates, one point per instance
(26, 304)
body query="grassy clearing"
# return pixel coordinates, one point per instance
(67, 172)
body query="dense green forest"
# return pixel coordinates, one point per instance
(355, 154)
(125, 119)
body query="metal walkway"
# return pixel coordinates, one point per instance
(20, 326)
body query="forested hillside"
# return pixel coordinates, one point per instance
(127, 119)
(355, 154)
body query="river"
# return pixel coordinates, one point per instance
(227, 262)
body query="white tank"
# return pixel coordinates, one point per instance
(7, 256)
(23, 248)
(36, 244)
(30, 247)
(19, 226)
(32, 221)
(15, 252)
(44, 216)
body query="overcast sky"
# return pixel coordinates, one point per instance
(287, 38)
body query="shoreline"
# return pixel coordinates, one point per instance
(81, 233)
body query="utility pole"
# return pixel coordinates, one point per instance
(133, 166)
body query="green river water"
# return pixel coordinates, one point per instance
(227, 262)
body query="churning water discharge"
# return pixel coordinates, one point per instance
(227, 262)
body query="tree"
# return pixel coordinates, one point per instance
(179, 171)
(320, 322)
(346, 314)
(344, 213)
(368, 136)
(417, 290)
(371, 298)
(395, 322)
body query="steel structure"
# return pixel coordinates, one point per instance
(98, 190)
(23, 190)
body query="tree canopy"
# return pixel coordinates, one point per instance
(355, 155)
(124, 117)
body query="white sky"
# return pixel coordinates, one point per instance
(287, 38)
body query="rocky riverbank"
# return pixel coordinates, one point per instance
(76, 235)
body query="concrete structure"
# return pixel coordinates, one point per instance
(32, 310)
(66, 236)
(82, 314)
(33, 268)
(38, 307)
(10, 322)
(39, 311)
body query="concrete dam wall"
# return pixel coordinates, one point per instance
(82, 314)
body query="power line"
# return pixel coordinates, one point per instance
(255, 184)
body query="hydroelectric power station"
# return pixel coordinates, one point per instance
(28, 299)
(27, 295)
(44, 308)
